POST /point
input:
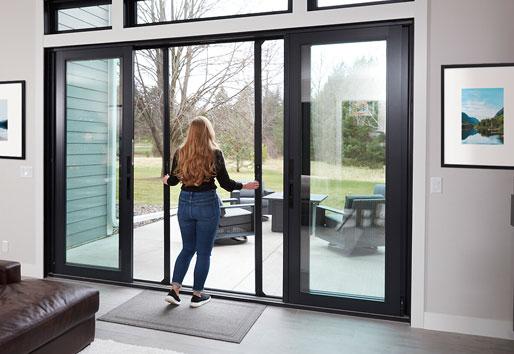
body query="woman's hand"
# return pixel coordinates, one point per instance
(251, 185)
(165, 179)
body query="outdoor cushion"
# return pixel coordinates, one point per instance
(236, 216)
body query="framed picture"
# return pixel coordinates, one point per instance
(478, 116)
(12, 119)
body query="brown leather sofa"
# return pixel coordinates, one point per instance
(44, 316)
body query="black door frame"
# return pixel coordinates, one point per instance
(124, 273)
(52, 218)
(397, 170)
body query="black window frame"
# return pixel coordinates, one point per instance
(130, 15)
(312, 5)
(53, 6)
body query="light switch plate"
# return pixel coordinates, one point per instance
(436, 185)
(26, 171)
(5, 246)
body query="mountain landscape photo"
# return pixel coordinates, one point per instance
(482, 116)
(3, 120)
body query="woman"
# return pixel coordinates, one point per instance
(196, 164)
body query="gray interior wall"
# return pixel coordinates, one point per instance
(469, 259)
(21, 199)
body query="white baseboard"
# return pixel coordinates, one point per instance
(469, 325)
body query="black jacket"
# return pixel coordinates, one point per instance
(221, 175)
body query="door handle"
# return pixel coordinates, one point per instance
(290, 192)
(291, 195)
(129, 177)
(258, 178)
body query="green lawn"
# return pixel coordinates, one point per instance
(143, 149)
(326, 179)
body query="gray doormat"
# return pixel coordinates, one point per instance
(220, 319)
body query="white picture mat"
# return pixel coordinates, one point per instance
(13, 146)
(457, 153)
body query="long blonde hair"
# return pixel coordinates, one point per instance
(196, 163)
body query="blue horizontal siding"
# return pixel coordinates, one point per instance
(84, 214)
(86, 203)
(79, 238)
(94, 64)
(83, 193)
(82, 182)
(86, 149)
(79, 92)
(84, 17)
(86, 138)
(88, 156)
(86, 127)
(87, 160)
(87, 224)
(83, 171)
(85, 116)
(83, 104)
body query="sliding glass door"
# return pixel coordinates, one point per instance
(320, 118)
(349, 181)
(149, 194)
(94, 164)
(239, 87)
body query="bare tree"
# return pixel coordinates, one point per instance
(197, 74)
(234, 124)
(207, 80)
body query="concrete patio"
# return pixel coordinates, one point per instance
(233, 268)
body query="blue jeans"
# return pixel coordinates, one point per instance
(198, 218)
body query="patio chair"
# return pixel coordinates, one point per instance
(360, 225)
(248, 197)
(236, 221)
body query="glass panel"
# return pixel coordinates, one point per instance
(326, 3)
(343, 169)
(217, 81)
(84, 17)
(272, 165)
(151, 11)
(93, 126)
(148, 151)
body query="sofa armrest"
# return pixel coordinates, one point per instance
(10, 272)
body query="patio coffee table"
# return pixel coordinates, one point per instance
(276, 201)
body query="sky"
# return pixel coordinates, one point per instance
(3, 110)
(482, 103)
(325, 58)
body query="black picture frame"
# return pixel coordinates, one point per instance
(22, 83)
(444, 69)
